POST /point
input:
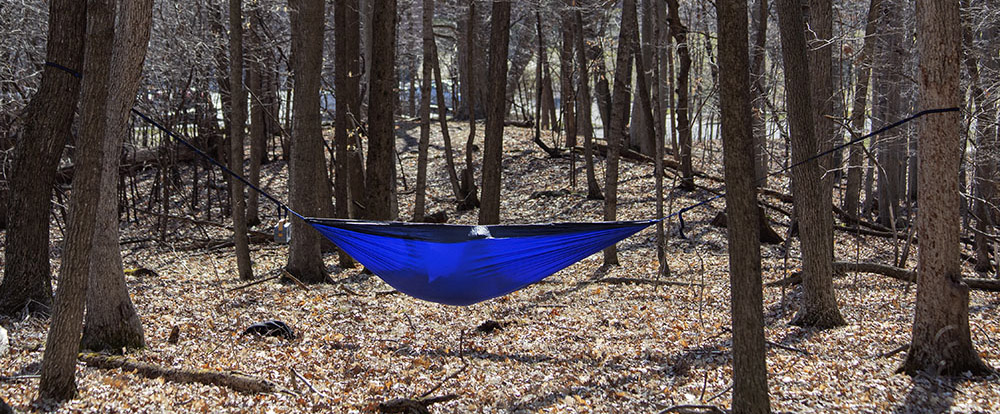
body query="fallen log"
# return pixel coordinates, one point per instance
(236, 382)
(642, 281)
(987, 285)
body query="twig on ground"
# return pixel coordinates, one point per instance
(294, 279)
(309, 384)
(693, 409)
(256, 282)
(788, 348)
(893, 351)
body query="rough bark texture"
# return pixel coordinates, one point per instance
(307, 168)
(27, 280)
(852, 193)
(237, 124)
(594, 191)
(616, 134)
(819, 304)
(942, 342)
(489, 210)
(111, 320)
(749, 349)
(57, 380)
(381, 170)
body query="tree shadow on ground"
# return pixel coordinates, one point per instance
(929, 394)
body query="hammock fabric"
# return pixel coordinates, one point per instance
(461, 265)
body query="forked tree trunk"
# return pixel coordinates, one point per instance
(942, 341)
(111, 320)
(747, 302)
(819, 304)
(62, 344)
(489, 210)
(27, 281)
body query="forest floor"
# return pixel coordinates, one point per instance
(570, 343)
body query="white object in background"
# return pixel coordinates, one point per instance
(4, 342)
(283, 231)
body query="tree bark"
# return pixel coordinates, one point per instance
(489, 210)
(425, 110)
(942, 342)
(616, 135)
(381, 169)
(258, 116)
(48, 120)
(470, 199)
(747, 300)
(347, 32)
(307, 167)
(987, 142)
(887, 107)
(758, 26)
(111, 320)
(449, 154)
(819, 304)
(57, 380)
(567, 98)
(640, 126)
(237, 124)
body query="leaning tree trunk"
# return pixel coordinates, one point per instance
(747, 301)
(111, 320)
(620, 98)
(307, 167)
(942, 341)
(819, 304)
(489, 210)
(48, 119)
(62, 344)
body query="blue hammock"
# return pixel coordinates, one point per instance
(461, 265)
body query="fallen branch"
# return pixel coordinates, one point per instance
(788, 348)
(627, 280)
(237, 382)
(893, 351)
(309, 384)
(294, 279)
(256, 282)
(693, 408)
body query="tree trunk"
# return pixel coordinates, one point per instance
(489, 210)
(258, 127)
(594, 191)
(747, 300)
(641, 123)
(307, 167)
(449, 155)
(381, 170)
(566, 92)
(425, 110)
(987, 143)
(888, 108)
(470, 199)
(758, 26)
(62, 344)
(48, 120)
(111, 320)
(942, 342)
(819, 304)
(347, 111)
(679, 32)
(237, 124)
(855, 157)
(616, 135)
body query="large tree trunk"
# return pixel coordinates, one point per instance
(111, 320)
(594, 191)
(381, 169)
(62, 344)
(616, 135)
(27, 280)
(489, 210)
(747, 301)
(819, 305)
(679, 32)
(855, 159)
(307, 168)
(942, 342)
(237, 124)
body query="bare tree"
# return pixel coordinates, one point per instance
(27, 280)
(307, 167)
(425, 109)
(942, 342)
(747, 299)
(237, 123)
(679, 31)
(63, 341)
(594, 191)
(852, 193)
(347, 54)
(489, 211)
(381, 170)
(819, 304)
(111, 320)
